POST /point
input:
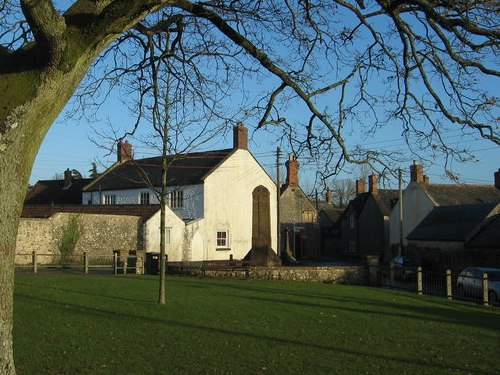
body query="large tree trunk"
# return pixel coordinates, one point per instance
(22, 130)
(35, 85)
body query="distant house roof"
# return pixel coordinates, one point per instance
(53, 192)
(488, 236)
(329, 212)
(452, 223)
(186, 169)
(45, 211)
(386, 199)
(450, 195)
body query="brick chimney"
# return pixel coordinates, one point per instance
(292, 168)
(68, 178)
(360, 186)
(240, 137)
(416, 172)
(329, 196)
(497, 179)
(124, 151)
(372, 183)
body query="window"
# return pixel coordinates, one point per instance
(176, 199)
(352, 221)
(222, 239)
(144, 198)
(167, 236)
(352, 246)
(109, 199)
(308, 217)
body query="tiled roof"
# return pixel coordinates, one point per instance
(330, 212)
(386, 199)
(449, 195)
(53, 192)
(488, 236)
(45, 211)
(187, 169)
(451, 223)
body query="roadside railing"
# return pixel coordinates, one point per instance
(79, 263)
(442, 284)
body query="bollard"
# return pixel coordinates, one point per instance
(85, 263)
(419, 280)
(34, 260)
(115, 263)
(448, 284)
(392, 275)
(485, 289)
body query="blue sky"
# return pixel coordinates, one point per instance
(67, 145)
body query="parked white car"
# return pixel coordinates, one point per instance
(470, 283)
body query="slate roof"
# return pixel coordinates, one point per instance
(450, 195)
(53, 192)
(45, 211)
(452, 223)
(187, 169)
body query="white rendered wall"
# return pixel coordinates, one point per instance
(228, 205)
(193, 199)
(152, 235)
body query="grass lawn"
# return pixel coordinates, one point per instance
(76, 324)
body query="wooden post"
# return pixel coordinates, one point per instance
(391, 272)
(85, 263)
(125, 265)
(419, 280)
(34, 261)
(115, 263)
(485, 289)
(448, 284)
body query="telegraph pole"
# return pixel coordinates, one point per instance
(278, 193)
(400, 175)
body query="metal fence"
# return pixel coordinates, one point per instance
(79, 263)
(442, 284)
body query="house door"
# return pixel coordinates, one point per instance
(261, 219)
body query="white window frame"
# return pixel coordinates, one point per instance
(176, 199)
(222, 235)
(108, 199)
(168, 234)
(145, 197)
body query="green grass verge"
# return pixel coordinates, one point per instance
(74, 324)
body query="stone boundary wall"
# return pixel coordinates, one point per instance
(101, 234)
(351, 275)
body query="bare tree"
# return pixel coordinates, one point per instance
(349, 66)
(343, 191)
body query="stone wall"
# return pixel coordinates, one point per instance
(101, 234)
(352, 275)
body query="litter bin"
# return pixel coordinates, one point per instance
(152, 263)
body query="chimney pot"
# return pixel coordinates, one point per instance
(329, 196)
(292, 167)
(124, 151)
(240, 137)
(417, 172)
(360, 186)
(372, 183)
(68, 178)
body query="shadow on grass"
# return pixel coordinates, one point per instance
(244, 335)
(468, 315)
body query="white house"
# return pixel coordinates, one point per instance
(420, 197)
(221, 202)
